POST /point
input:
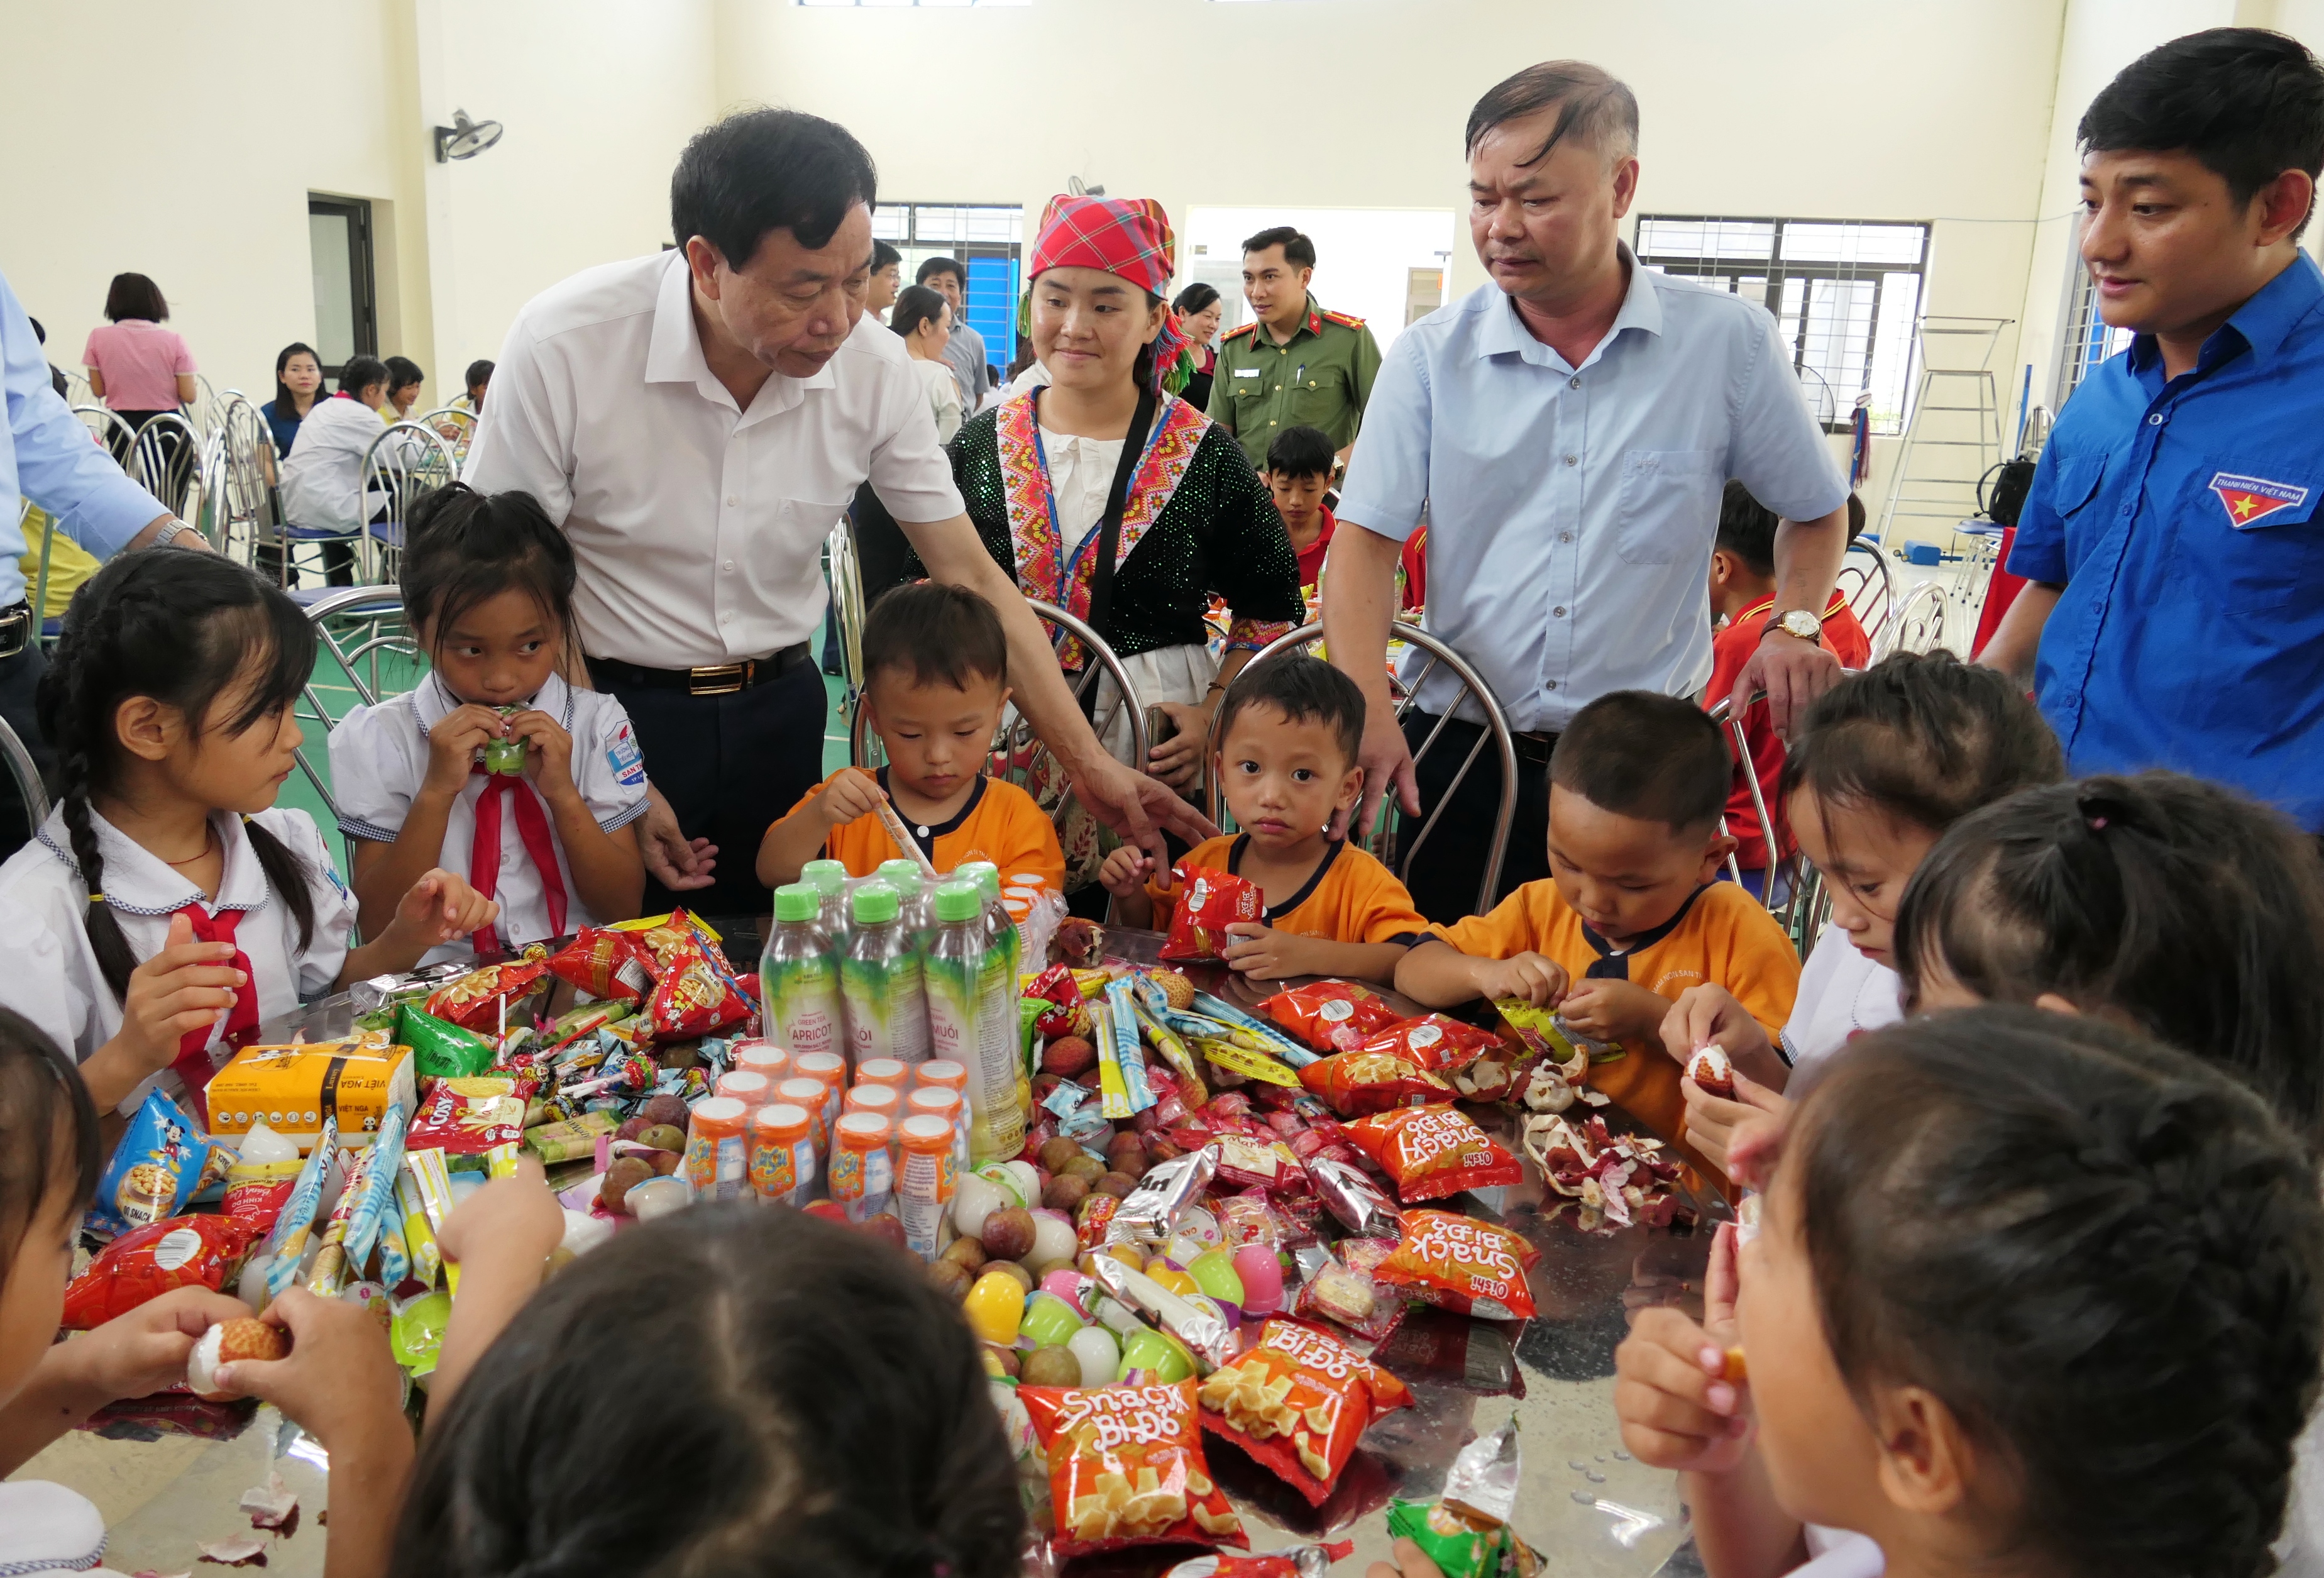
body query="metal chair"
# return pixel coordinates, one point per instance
(844, 570)
(165, 459)
(1870, 591)
(1918, 626)
(462, 425)
(364, 630)
(116, 435)
(1722, 714)
(403, 463)
(27, 776)
(241, 483)
(1386, 841)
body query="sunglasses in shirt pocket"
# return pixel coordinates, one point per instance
(2253, 533)
(1669, 504)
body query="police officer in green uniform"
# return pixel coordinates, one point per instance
(1295, 364)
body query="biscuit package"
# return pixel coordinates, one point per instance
(1298, 1401)
(1126, 1468)
(151, 1171)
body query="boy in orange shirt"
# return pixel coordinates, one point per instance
(1632, 914)
(936, 665)
(1287, 749)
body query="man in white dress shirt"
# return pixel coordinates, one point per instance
(1568, 428)
(698, 421)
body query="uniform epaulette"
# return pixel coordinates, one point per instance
(1344, 319)
(1246, 328)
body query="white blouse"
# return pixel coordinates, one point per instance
(1842, 994)
(944, 397)
(1081, 476)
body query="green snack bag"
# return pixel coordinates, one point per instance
(417, 1332)
(569, 1138)
(506, 756)
(441, 1050)
(1447, 1539)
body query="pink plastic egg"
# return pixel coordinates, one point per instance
(1262, 1279)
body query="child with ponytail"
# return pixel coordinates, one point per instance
(166, 907)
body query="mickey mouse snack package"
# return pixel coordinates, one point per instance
(1429, 1152)
(1297, 1401)
(1209, 902)
(151, 1171)
(1126, 1468)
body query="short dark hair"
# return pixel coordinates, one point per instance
(134, 296)
(1592, 104)
(883, 255)
(1855, 518)
(480, 371)
(1300, 452)
(932, 631)
(2246, 103)
(464, 547)
(2175, 904)
(1304, 689)
(2105, 1258)
(360, 373)
(1297, 250)
(916, 305)
(1194, 299)
(1655, 758)
(811, 1394)
(403, 373)
(1746, 529)
(930, 267)
(763, 170)
(1922, 737)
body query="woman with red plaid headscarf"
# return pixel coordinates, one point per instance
(1106, 454)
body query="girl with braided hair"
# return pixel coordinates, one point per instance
(167, 908)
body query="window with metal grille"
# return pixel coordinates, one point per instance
(986, 238)
(2090, 340)
(1845, 293)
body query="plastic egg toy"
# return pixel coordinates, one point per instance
(1178, 1282)
(995, 1307)
(1214, 1273)
(1100, 1354)
(1054, 1242)
(975, 1198)
(1067, 1286)
(1261, 1275)
(1046, 1319)
(1163, 1360)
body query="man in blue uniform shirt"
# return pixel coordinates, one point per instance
(2173, 538)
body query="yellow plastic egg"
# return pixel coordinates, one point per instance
(994, 1306)
(1178, 1282)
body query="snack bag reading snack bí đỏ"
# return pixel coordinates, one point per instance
(1208, 903)
(1126, 1468)
(1297, 1401)
(1353, 1083)
(1331, 1016)
(1429, 1152)
(1457, 1263)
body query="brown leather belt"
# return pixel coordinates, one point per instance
(715, 680)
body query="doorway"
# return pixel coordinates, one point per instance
(1385, 266)
(347, 298)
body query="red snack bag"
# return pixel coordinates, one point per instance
(146, 1262)
(1436, 1043)
(1208, 903)
(1126, 1468)
(467, 1117)
(1429, 1152)
(1296, 1401)
(1461, 1264)
(606, 964)
(1356, 1082)
(479, 999)
(692, 998)
(1331, 1016)
(1070, 1016)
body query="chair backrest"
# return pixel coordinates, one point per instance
(35, 793)
(454, 426)
(363, 632)
(1722, 714)
(1018, 755)
(1388, 843)
(108, 430)
(165, 458)
(245, 504)
(1918, 626)
(406, 461)
(846, 575)
(1871, 594)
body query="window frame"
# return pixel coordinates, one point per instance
(2089, 342)
(1778, 270)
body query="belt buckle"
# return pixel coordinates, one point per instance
(15, 641)
(718, 679)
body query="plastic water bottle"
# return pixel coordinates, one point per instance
(913, 910)
(829, 878)
(953, 969)
(998, 1091)
(880, 976)
(798, 974)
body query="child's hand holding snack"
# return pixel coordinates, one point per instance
(1124, 875)
(1677, 1405)
(851, 794)
(1614, 1010)
(1264, 954)
(1539, 980)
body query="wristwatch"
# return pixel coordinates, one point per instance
(171, 533)
(1800, 623)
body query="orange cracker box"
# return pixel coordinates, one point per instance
(294, 1088)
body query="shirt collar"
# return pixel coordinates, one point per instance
(1615, 964)
(2259, 326)
(140, 883)
(430, 700)
(1504, 331)
(673, 352)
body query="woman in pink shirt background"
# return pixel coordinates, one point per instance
(137, 367)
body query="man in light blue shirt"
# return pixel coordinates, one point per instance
(1568, 429)
(47, 457)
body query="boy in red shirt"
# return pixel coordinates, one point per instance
(1742, 594)
(1298, 474)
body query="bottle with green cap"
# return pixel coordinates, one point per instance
(953, 969)
(798, 974)
(880, 978)
(912, 903)
(996, 1083)
(829, 878)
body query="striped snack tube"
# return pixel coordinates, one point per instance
(330, 1274)
(1122, 1004)
(905, 844)
(371, 1213)
(1113, 1094)
(1196, 1090)
(430, 1181)
(296, 1221)
(419, 1233)
(1257, 1035)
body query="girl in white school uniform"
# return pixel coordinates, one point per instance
(488, 588)
(167, 908)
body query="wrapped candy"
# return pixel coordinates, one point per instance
(1462, 1265)
(1126, 1468)
(486, 1000)
(146, 1262)
(1148, 1214)
(1354, 1199)
(606, 964)
(1067, 1013)
(1296, 1401)
(1345, 1291)
(1209, 901)
(1331, 1016)
(1356, 1082)
(1199, 1328)
(1429, 1152)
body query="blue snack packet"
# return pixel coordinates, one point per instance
(151, 1171)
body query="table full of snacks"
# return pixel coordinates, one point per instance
(1258, 1268)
